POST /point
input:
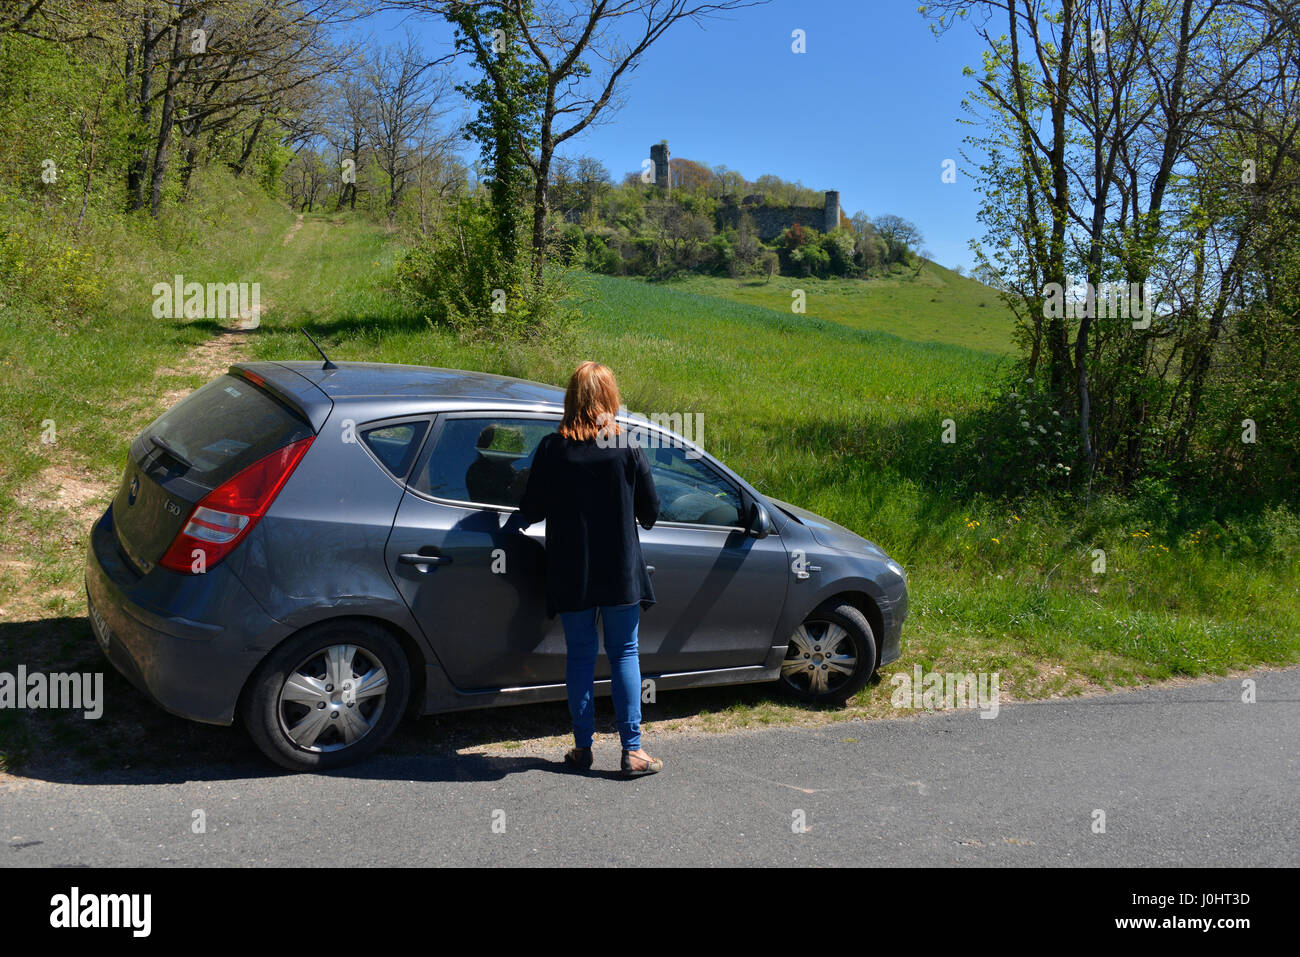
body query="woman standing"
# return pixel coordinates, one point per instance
(592, 486)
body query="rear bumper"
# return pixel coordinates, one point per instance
(193, 665)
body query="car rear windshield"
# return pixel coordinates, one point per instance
(223, 428)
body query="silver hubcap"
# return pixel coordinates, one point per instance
(333, 698)
(820, 657)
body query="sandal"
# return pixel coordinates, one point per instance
(579, 758)
(652, 766)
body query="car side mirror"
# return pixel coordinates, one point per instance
(760, 523)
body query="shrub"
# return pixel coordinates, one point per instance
(723, 256)
(40, 267)
(602, 259)
(1025, 445)
(838, 246)
(571, 244)
(459, 276)
(808, 260)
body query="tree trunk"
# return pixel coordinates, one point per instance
(140, 147)
(161, 155)
(540, 198)
(187, 167)
(248, 145)
(1081, 383)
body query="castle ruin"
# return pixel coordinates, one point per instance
(659, 158)
(769, 221)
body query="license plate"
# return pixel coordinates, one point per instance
(99, 626)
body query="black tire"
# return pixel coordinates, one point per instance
(272, 709)
(845, 627)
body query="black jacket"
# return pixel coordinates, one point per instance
(591, 499)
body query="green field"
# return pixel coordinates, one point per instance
(936, 305)
(839, 410)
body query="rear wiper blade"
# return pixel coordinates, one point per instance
(162, 444)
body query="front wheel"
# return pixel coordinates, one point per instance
(327, 697)
(831, 657)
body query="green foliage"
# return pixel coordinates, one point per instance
(602, 259)
(570, 246)
(54, 279)
(838, 245)
(272, 160)
(1025, 444)
(809, 259)
(462, 280)
(806, 252)
(505, 125)
(62, 129)
(1199, 402)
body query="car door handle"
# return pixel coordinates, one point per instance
(650, 569)
(415, 558)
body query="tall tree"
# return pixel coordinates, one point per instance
(580, 51)
(505, 124)
(407, 95)
(1093, 113)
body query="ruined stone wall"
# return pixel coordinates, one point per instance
(772, 221)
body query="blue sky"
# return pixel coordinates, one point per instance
(871, 108)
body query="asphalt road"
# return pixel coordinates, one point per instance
(1185, 775)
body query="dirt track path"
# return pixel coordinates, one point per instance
(293, 231)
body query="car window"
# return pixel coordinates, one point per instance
(224, 427)
(482, 460)
(395, 445)
(691, 491)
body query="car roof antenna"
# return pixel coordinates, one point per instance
(328, 364)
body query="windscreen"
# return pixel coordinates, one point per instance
(222, 428)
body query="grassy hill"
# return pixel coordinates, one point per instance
(937, 305)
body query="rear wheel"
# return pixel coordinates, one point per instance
(831, 657)
(328, 697)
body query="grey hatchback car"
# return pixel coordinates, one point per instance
(317, 549)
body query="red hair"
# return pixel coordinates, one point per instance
(590, 403)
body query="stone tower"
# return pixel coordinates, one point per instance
(831, 219)
(659, 157)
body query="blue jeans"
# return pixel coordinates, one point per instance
(620, 624)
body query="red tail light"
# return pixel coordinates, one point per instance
(230, 511)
